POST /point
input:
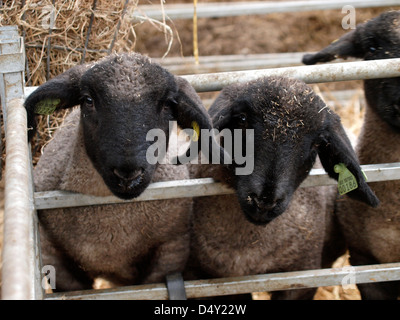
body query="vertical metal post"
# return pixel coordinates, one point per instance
(16, 272)
(20, 257)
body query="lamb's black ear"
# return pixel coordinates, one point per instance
(230, 99)
(221, 111)
(346, 46)
(335, 148)
(58, 93)
(191, 113)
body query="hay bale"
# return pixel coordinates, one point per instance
(59, 34)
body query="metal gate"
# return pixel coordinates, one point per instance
(21, 264)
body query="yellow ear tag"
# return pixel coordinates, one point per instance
(196, 133)
(346, 181)
(47, 106)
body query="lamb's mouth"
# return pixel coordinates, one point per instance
(128, 186)
(130, 189)
(260, 213)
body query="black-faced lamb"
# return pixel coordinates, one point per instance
(270, 224)
(100, 150)
(373, 234)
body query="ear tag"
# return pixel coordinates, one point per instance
(47, 106)
(196, 133)
(346, 181)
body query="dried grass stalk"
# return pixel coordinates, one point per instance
(63, 34)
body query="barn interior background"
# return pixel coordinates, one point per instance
(59, 34)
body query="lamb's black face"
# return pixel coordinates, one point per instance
(117, 114)
(285, 150)
(123, 97)
(279, 168)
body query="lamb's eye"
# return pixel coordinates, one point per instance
(168, 104)
(242, 119)
(88, 101)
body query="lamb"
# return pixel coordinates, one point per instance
(373, 235)
(101, 150)
(270, 224)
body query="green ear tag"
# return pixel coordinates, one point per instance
(196, 133)
(47, 106)
(346, 181)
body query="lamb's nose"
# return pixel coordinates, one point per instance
(264, 205)
(128, 178)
